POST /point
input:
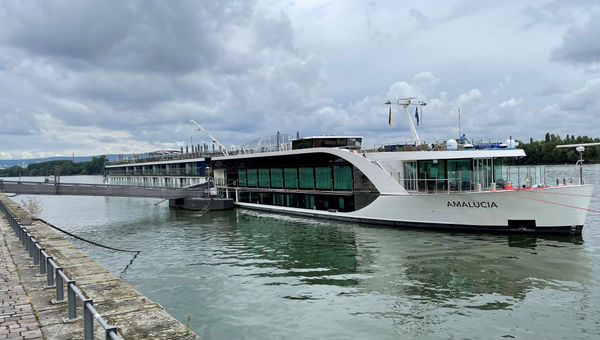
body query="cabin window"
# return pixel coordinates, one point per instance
(459, 174)
(342, 177)
(306, 178)
(410, 175)
(242, 177)
(498, 171)
(277, 178)
(291, 178)
(432, 175)
(482, 172)
(252, 177)
(263, 178)
(323, 177)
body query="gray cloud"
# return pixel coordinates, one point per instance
(110, 76)
(580, 44)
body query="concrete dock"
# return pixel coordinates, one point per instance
(27, 312)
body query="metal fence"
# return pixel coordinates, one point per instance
(56, 278)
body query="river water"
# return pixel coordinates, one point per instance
(243, 274)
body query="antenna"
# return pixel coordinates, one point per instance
(405, 103)
(200, 128)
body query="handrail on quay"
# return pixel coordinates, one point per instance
(55, 277)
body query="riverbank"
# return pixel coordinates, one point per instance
(134, 315)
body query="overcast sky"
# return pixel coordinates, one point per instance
(97, 77)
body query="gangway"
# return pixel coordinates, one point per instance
(83, 189)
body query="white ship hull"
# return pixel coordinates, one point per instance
(556, 209)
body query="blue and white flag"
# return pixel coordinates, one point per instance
(417, 114)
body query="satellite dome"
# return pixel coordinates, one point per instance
(511, 143)
(451, 144)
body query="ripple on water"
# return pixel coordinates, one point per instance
(249, 274)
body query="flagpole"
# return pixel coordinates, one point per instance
(405, 103)
(459, 123)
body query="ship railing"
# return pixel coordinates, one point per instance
(541, 175)
(56, 278)
(511, 177)
(205, 153)
(438, 145)
(241, 150)
(197, 171)
(177, 156)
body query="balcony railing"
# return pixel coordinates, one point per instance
(156, 172)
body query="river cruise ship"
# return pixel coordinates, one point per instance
(164, 168)
(446, 184)
(415, 186)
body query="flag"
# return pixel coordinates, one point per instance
(390, 117)
(417, 114)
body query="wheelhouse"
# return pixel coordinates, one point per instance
(345, 142)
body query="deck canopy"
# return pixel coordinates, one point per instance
(346, 142)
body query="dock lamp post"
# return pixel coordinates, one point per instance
(579, 148)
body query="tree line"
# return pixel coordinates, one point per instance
(537, 152)
(62, 167)
(546, 152)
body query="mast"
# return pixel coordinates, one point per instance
(405, 103)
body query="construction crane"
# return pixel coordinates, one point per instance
(214, 140)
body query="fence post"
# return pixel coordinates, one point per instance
(60, 294)
(27, 241)
(88, 320)
(36, 253)
(71, 301)
(49, 273)
(42, 261)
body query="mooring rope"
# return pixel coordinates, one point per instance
(88, 241)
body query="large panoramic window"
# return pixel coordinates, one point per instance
(432, 175)
(459, 174)
(410, 175)
(276, 178)
(252, 178)
(306, 178)
(342, 177)
(323, 177)
(498, 171)
(263, 178)
(291, 178)
(242, 177)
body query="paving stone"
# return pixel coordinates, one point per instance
(25, 301)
